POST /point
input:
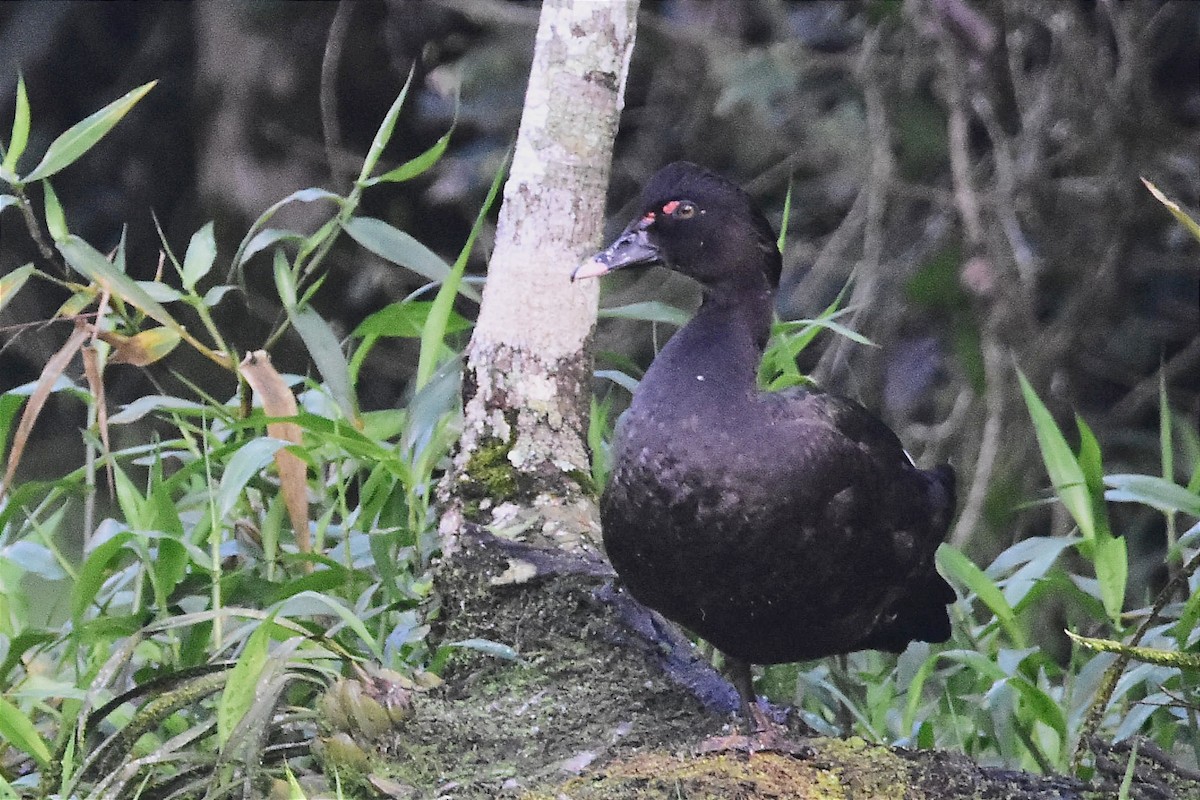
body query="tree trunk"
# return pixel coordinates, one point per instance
(522, 461)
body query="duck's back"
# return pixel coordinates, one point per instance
(780, 527)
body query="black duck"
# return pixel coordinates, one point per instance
(779, 526)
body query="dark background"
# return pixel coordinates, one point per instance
(975, 164)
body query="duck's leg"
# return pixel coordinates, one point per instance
(742, 680)
(762, 733)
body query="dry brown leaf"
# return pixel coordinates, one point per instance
(50, 373)
(141, 349)
(91, 369)
(278, 401)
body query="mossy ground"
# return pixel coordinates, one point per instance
(583, 715)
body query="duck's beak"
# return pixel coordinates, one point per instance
(633, 248)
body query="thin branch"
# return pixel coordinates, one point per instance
(329, 109)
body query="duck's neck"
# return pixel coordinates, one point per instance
(717, 353)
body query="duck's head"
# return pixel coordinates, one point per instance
(699, 224)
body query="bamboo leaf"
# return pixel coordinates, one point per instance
(394, 245)
(787, 215)
(22, 734)
(405, 319)
(326, 353)
(1111, 562)
(264, 239)
(488, 647)
(649, 311)
(242, 683)
(414, 167)
(1153, 491)
(312, 603)
(94, 572)
(11, 283)
(56, 219)
(143, 348)
(51, 372)
(81, 136)
(384, 134)
(1193, 227)
(310, 195)
(433, 336)
(201, 252)
(88, 262)
(1064, 470)
(961, 568)
(20, 128)
(250, 459)
(1045, 708)
(279, 402)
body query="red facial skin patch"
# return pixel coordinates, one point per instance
(670, 207)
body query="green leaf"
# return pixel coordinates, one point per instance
(394, 245)
(384, 134)
(20, 128)
(1166, 443)
(1090, 461)
(1185, 219)
(238, 695)
(309, 603)
(1111, 562)
(249, 460)
(94, 572)
(21, 733)
(326, 353)
(201, 253)
(414, 167)
(7, 200)
(134, 507)
(1065, 472)
(88, 261)
(433, 337)
(787, 215)
(309, 195)
(1045, 708)
(405, 318)
(11, 283)
(216, 294)
(488, 647)
(958, 566)
(161, 292)
(1152, 491)
(285, 281)
(622, 379)
(264, 239)
(649, 311)
(80, 137)
(56, 220)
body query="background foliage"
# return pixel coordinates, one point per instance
(965, 177)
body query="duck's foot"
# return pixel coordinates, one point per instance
(766, 736)
(757, 742)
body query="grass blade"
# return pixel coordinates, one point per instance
(432, 338)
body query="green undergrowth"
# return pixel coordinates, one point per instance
(173, 609)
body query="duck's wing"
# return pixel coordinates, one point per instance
(919, 506)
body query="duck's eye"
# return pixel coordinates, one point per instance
(685, 211)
